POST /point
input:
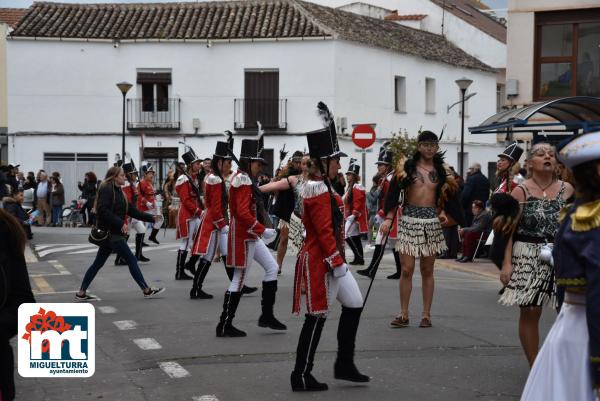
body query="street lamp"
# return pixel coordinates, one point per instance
(124, 88)
(463, 84)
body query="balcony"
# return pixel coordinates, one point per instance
(156, 114)
(272, 114)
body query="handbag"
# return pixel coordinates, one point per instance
(98, 236)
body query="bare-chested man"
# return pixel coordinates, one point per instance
(419, 230)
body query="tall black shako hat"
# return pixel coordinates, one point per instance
(512, 152)
(221, 150)
(353, 168)
(252, 149)
(323, 143)
(386, 156)
(147, 168)
(129, 168)
(190, 157)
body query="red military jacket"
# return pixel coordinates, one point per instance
(358, 208)
(130, 192)
(215, 215)
(189, 207)
(146, 194)
(243, 227)
(320, 251)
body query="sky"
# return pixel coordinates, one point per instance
(494, 4)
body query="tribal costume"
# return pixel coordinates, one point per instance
(568, 364)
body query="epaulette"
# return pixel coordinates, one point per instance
(359, 187)
(313, 189)
(181, 179)
(213, 179)
(586, 217)
(241, 179)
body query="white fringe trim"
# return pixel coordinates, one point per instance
(420, 237)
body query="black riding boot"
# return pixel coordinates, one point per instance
(225, 327)
(139, 239)
(344, 368)
(301, 378)
(377, 255)
(357, 259)
(179, 273)
(190, 265)
(152, 236)
(359, 248)
(230, 271)
(396, 276)
(267, 318)
(196, 291)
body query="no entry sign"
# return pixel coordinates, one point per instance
(363, 135)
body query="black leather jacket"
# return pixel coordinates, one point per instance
(112, 208)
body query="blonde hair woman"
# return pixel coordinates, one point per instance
(112, 209)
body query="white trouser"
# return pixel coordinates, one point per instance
(188, 242)
(345, 290)
(257, 250)
(217, 238)
(138, 226)
(351, 228)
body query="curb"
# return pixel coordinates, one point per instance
(30, 255)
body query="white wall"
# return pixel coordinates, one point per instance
(70, 86)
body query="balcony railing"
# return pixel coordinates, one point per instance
(272, 114)
(156, 114)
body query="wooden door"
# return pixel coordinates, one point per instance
(261, 99)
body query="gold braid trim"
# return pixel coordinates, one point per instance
(571, 281)
(586, 217)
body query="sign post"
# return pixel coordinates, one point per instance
(363, 136)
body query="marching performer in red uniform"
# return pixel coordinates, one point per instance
(321, 268)
(355, 213)
(190, 210)
(384, 169)
(245, 243)
(215, 222)
(147, 200)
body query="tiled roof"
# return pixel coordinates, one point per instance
(12, 16)
(251, 19)
(468, 10)
(406, 17)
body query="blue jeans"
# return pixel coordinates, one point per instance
(56, 212)
(121, 248)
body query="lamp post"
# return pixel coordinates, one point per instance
(463, 84)
(124, 88)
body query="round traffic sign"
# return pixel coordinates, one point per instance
(363, 135)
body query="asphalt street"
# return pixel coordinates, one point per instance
(166, 349)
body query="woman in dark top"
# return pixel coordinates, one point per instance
(89, 189)
(14, 290)
(112, 209)
(57, 198)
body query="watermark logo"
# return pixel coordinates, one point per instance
(56, 340)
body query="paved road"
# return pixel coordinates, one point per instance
(166, 349)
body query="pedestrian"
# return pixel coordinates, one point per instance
(427, 187)
(147, 199)
(321, 269)
(5, 188)
(245, 243)
(476, 233)
(477, 187)
(190, 210)
(57, 199)
(529, 280)
(385, 170)
(13, 181)
(283, 208)
(112, 209)
(29, 181)
(168, 190)
(14, 205)
(355, 213)
(42, 198)
(214, 226)
(88, 188)
(14, 291)
(568, 365)
(372, 206)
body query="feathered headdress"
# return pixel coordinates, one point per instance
(325, 114)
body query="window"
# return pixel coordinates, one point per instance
(155, 90)
(567, 59)
(430, 95)
(400, 94)
(500, 96)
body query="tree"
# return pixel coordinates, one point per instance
(402, 144)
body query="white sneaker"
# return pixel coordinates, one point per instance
(85, 298)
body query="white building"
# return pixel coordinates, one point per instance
(201, 68)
